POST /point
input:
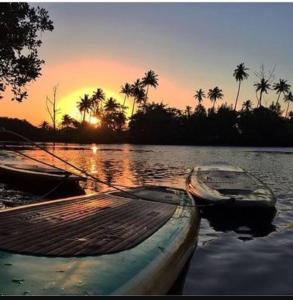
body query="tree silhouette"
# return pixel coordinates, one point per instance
(215, 94)
(150, 79)
(126, 90)
(281, 87)
(113, 118)
(20, 28)
(66, 121)
(111, 105)
(199, 95)
(45, 125)
(288, 99)
(84, 106)
(247, 105)
(188, 110)
(138, 94)
(262, 87)
(240, 74)
(97, 100)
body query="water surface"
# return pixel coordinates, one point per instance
(229, 259)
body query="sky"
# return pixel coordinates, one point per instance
(189, 45)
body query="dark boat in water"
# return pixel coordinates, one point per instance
(37, 178)
(99, 244)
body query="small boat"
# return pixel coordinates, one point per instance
(223, 185)
(36, 177)
(100, 244)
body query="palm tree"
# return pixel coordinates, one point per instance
(188, 111)
(126, 90)
(281, 87)
(199, 95)
(288, 99)
(240, 74)
(215, 94)
(138, 94)
(262, 87)
(66, 121)
(97, 99)
(150, 79)
(84, 105)
(111, 105)
(247, 105)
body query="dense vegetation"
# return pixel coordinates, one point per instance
(158, 124)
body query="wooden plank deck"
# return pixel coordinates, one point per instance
(87, 225)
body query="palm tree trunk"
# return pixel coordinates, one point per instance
(124, 100)
(83, 119)
(287, 110)
(259, 103)
(278, 99)
(147, 91)
(237, 95)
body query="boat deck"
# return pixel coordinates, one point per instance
(81, 226)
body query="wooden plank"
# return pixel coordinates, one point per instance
(83, 226)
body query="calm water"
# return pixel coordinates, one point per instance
(229, 259)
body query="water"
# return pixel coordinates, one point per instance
(228, 259)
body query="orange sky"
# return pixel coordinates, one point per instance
(104, 45)
(83, 76)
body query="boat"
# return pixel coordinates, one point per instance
(125, 243)
(221, 185)
(37, 177)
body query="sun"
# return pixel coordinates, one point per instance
(95, 121)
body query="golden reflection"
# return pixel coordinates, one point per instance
(94, 149)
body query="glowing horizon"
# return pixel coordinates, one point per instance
(105, 45)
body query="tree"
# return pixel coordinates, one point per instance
(262, 87)
(20, 28)
(97, 100)
(264, 84)
(84, 106)
(150, 79)
(45, 125)
(215, 94)
(288, 99)
(247, 105)
(67, 121)
(281, 87)
(199, 95)
(111, 105)
(188, 110)
(240, 74)
(126, 90)
(138, 94)
(51, 105)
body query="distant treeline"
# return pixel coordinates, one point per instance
(160, 124)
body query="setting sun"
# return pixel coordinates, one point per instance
(95, 121)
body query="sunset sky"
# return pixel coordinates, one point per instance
(190, 46)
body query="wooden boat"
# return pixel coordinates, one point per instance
(98, 244)
(36, 177)
(224, 185)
